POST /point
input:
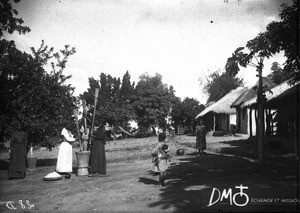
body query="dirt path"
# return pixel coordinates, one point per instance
(131, 187)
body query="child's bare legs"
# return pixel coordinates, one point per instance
(162, 177)
(201, 151)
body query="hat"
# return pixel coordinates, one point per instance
(67, 135)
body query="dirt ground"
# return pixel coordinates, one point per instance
(193, 182)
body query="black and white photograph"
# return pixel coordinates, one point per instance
(149, 106)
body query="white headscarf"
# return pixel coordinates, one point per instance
(68, 135)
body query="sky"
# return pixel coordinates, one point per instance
(184, 40)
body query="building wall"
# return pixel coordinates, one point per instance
(243, 120)
(223, 121)
(253, 122)
(208, 121)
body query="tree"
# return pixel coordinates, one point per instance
(127, 88)
(153, 101)
(218, 85)
(9, 22)
(285, 35)
(185, 112)
(279, 36)
(259, 48)
(277, 75)
(41, 101)
(115, 98)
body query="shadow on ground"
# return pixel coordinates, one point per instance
(190, 184)
(46, 162)
(249, 149)
(40, 163)
(148, 181)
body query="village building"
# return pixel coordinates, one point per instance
(237, 112)
(247, 115)
(281, 114)
(220, 117)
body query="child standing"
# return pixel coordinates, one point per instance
(161, 158)
(155, 151)
(163, 163)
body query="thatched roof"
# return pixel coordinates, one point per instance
(251, 93)
(278, 91)
(223, 105)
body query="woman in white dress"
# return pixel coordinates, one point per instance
(64, 159)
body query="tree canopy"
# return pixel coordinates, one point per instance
(278, 75)
(284, 34)
(153, 101)
(9, 22)
(185, 112)
(41, 101)
(115, 98)
(218, 84)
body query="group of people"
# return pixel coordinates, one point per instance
(97, 158)
(161, 157)
(64, 165)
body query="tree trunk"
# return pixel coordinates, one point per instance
(260, 133)
(260, 99)
(250, 121)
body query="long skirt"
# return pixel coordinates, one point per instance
(17, 162)
(201, 143)
(64, 159)
(98, 158)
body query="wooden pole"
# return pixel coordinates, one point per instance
(260, 115)
(75, 113)
(94, 113)
(84, 115)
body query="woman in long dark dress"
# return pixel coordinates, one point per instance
(98, 158)
(18, 153)
(201, 138)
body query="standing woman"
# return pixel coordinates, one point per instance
(201, 138)
(98, 158)
(65, 154)
(18, 153)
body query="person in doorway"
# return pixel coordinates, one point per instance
(18, 153)
(98, 158)
(201, 138)
(65, 154)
